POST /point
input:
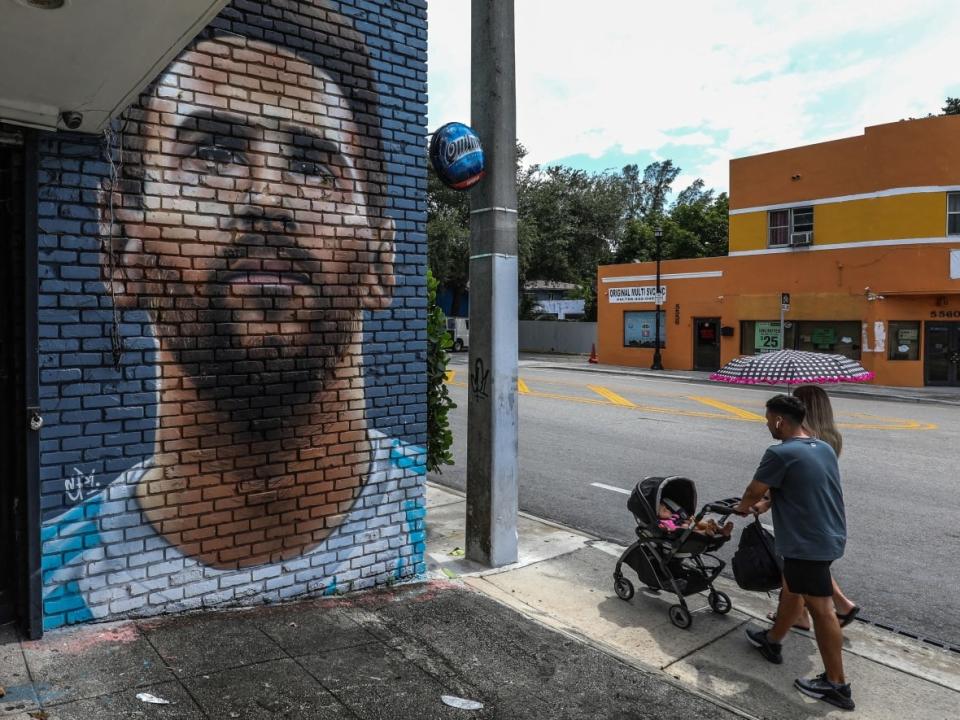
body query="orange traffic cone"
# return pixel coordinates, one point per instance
(593, 354)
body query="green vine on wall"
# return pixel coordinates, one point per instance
(439, 402)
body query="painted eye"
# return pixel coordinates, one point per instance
(308, 167)
(221, 155)
(213, 153)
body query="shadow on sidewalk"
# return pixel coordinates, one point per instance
(381, 654)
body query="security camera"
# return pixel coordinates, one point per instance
(71, 119)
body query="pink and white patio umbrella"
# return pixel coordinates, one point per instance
(792, 367)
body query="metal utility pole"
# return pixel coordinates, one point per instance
(491, 529)
(658, 303)
(784, 306)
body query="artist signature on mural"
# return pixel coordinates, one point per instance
(80, 485)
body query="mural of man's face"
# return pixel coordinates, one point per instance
(254, 245)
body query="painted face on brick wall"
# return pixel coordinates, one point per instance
(255, 243)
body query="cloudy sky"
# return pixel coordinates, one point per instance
(608, 82)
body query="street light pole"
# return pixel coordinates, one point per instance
(657, 364)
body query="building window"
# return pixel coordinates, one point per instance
(839, 337)
(763, 336)
(903, 337)
(953, 214)
(793, 226)
(639, 329)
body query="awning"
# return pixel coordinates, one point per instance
(90, 57)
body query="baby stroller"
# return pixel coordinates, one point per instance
(678, 561)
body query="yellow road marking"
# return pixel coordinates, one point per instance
(735, 411)
(730, 412)
(571, 398)
(522, 387)
(611, 396)
(451, 374)
(886, 423)
(640, 390)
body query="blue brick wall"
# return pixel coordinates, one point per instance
(107, 548)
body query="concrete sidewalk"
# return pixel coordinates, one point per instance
(544, 638)
(390, 654)
(564, 579)
(579, 363)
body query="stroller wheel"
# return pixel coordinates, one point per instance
(719, 602)
(680, 616)
(623, 588)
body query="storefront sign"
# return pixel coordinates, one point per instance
(638, 294)
(766, 336)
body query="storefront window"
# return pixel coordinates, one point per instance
(761, 336)
(639, 329)
(841, 337)
(903, 339)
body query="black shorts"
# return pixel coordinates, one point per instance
(808, 577)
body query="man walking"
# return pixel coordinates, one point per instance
(803, 479)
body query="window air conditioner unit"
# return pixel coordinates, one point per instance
(801, 238)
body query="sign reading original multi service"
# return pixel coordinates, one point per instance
(638, 294)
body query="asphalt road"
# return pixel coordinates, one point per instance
(900, 473)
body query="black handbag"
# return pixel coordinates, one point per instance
(755, 563)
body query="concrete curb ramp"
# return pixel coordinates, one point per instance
(565, 580)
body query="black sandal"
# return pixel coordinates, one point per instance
(772, 617)
(849, 617)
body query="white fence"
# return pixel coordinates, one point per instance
(557, 336)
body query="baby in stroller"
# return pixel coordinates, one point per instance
(675, 545)
(672, 517)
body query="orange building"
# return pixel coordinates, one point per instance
(862, 233)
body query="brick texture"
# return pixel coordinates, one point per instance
(232, 320)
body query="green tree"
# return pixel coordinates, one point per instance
(439, 402)
(570, 221)
(952, 107)
(448, 237)
(704, 215)
(647, 197)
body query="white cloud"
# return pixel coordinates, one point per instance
(734, 78)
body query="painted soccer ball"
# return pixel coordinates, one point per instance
(457, 156)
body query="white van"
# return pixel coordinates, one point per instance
(459, 329)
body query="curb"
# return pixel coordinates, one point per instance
(835, 390)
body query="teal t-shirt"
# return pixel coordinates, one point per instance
(808, 517)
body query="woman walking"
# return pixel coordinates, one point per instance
(820, 424)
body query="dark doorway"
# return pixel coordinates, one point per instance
(941, 353)
(706, 344)
(12, 355)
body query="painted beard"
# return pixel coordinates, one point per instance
(264, 339)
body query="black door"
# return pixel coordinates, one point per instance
(11, 339)
(706, 344)
(19, 511)
(941, 353)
